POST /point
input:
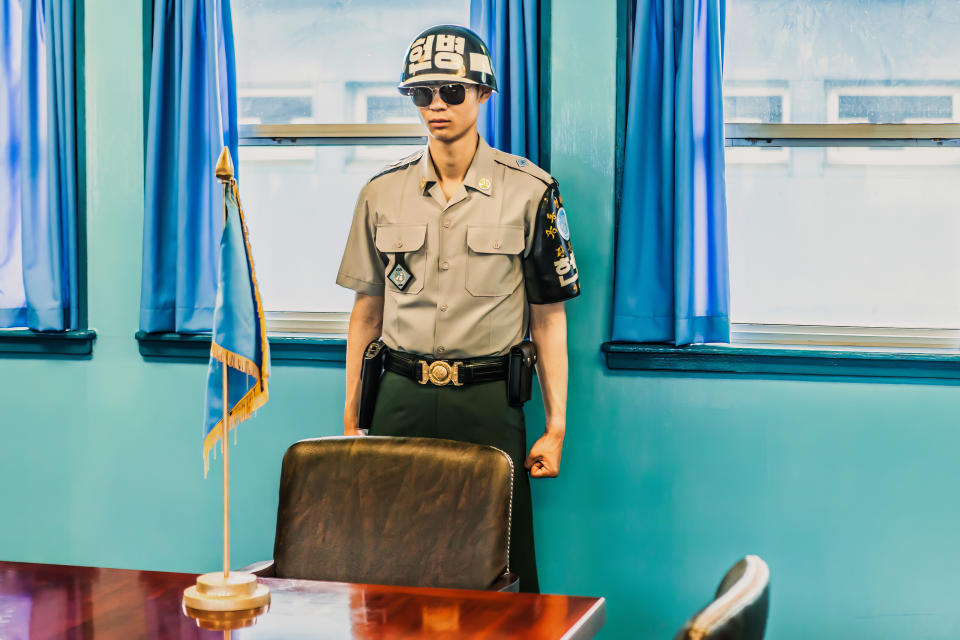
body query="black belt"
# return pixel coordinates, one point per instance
(443, 372)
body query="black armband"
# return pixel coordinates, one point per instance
(550, 270)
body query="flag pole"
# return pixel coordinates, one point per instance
(221, 592)
(226, 474)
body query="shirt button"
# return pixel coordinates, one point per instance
(399, 243)
(444, 265)
(446, 224)
(496, 245)
(443, 307)
(440, 349)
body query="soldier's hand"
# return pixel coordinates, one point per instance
(351, 426)
(544, 458)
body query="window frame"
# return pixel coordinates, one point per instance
(760, 155)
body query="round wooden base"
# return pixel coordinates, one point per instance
(225, 620)
(239, 592)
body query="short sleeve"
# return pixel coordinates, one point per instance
(549, 267)
(361, 267)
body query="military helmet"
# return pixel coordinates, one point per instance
(447, 53)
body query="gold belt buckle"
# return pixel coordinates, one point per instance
(440, 373)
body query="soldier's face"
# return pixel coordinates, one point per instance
(450, 122)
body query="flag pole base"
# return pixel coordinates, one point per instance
(225, 620)
(238, 592)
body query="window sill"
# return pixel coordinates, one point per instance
(781, 360)
(39, 343)
(283, 348)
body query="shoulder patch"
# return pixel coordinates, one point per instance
(518, 163)
(399, 164)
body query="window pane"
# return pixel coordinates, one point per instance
(329, 61)
(298, 202)
(846, 60)
(812, 242)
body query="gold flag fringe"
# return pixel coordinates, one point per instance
(265, 344)
(234, 360)
(252, 400)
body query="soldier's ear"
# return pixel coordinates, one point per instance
(483, 94)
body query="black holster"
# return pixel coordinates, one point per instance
(370, 373)
(523, 357)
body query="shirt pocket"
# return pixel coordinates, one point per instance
(494, 260)
(407, 239)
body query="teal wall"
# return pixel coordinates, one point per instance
(843, 486)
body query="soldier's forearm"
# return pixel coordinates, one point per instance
(548, 328)
(366, 322)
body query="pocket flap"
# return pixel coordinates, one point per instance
(400, 238)
(508, 240)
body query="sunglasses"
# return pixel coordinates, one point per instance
(452, 94)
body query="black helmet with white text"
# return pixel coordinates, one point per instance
(447, 53)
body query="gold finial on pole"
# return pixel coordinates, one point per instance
(225, 166)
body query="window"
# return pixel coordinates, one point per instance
(895, 103)
(851, 239)
(320, 114)
(754, 104)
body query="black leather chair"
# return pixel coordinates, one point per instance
(402, 511)
(740, 606)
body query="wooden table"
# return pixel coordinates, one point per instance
(57, 601)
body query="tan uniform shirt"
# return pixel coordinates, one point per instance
(466, 297)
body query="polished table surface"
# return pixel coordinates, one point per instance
(57, 601)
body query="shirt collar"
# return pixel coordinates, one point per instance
(479, 175)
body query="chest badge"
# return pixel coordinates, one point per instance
(562, 225)
(484, 184)
(522, 162)
(400, 277)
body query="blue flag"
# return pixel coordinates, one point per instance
(239, 332)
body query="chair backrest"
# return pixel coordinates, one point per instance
(740, 606)
(405, 511)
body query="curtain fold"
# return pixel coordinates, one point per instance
(672, 280)
(38, 257)
(192, 116)
(510, 121)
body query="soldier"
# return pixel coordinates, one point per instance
(454, 253)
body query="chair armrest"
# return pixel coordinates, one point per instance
(509, 582)
(262, 569)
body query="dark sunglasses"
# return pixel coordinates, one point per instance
(452, 94)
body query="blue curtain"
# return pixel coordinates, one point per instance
(511, 119)
(672, 282)
(192, 116)
(38, 168)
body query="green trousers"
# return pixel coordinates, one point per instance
(477, 413)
